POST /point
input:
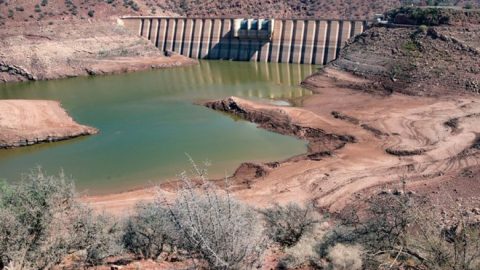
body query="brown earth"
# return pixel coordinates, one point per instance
(43, 51)
(362, 138)
(27, 122)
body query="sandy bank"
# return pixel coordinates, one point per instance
(27, 122)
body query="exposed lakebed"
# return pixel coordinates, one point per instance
(148, 121)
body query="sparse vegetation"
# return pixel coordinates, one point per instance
(287, 224)
(468, 6)
(149, 231)
(398, 231)
(42, 223)
(215, 227)
(419, 16)
(205, 223)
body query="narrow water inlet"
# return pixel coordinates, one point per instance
(299, 41)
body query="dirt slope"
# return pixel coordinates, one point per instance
(418, 60)
(39, 51)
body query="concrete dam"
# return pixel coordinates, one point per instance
(267, 40)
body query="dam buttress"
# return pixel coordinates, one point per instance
(266, 40)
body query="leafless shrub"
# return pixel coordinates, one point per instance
(285, 225)
(149, 231)
(42, 223)
(213, 226)
(345, 257)
(303, 252)
(398, 230)
(98, 236)
(452, 244)
(384, 228)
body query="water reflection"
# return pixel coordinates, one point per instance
(147, 122)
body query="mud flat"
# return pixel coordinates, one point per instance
(350, 160)
(384, 117)
(27, 122)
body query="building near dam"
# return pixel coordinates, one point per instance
(304, 41)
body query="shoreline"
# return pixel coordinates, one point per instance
(335, 172)
(57, 50)
(37, 121)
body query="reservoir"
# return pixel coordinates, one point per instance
(148, 122)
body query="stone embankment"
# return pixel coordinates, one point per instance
(16, 71)
(28, 122)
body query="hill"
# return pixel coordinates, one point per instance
(436, 54)
(40, 10)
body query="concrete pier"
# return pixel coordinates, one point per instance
(291, 41)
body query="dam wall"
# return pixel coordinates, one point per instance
(287, 41)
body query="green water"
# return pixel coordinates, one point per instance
(148, 121)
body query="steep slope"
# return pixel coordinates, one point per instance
(418, 59)
(38, 10)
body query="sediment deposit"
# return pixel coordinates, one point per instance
(398, 110)
(27, 122)
(53, 50)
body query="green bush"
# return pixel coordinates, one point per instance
(423, 28)
(91, 13)
(419, 16)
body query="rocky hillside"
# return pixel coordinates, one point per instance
(38, 10)
(43, 51)
(328, 9)
(434, 59)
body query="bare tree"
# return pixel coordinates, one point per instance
(213, 226)
(287, 224)
(396, 228)
(149, 231)
(452, 244)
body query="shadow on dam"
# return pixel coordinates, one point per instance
(304, 41)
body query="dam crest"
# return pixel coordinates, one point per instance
(304, 41)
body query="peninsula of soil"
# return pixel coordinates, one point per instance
(399, 107)
(27, 122)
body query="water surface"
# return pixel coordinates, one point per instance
(148, 121)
